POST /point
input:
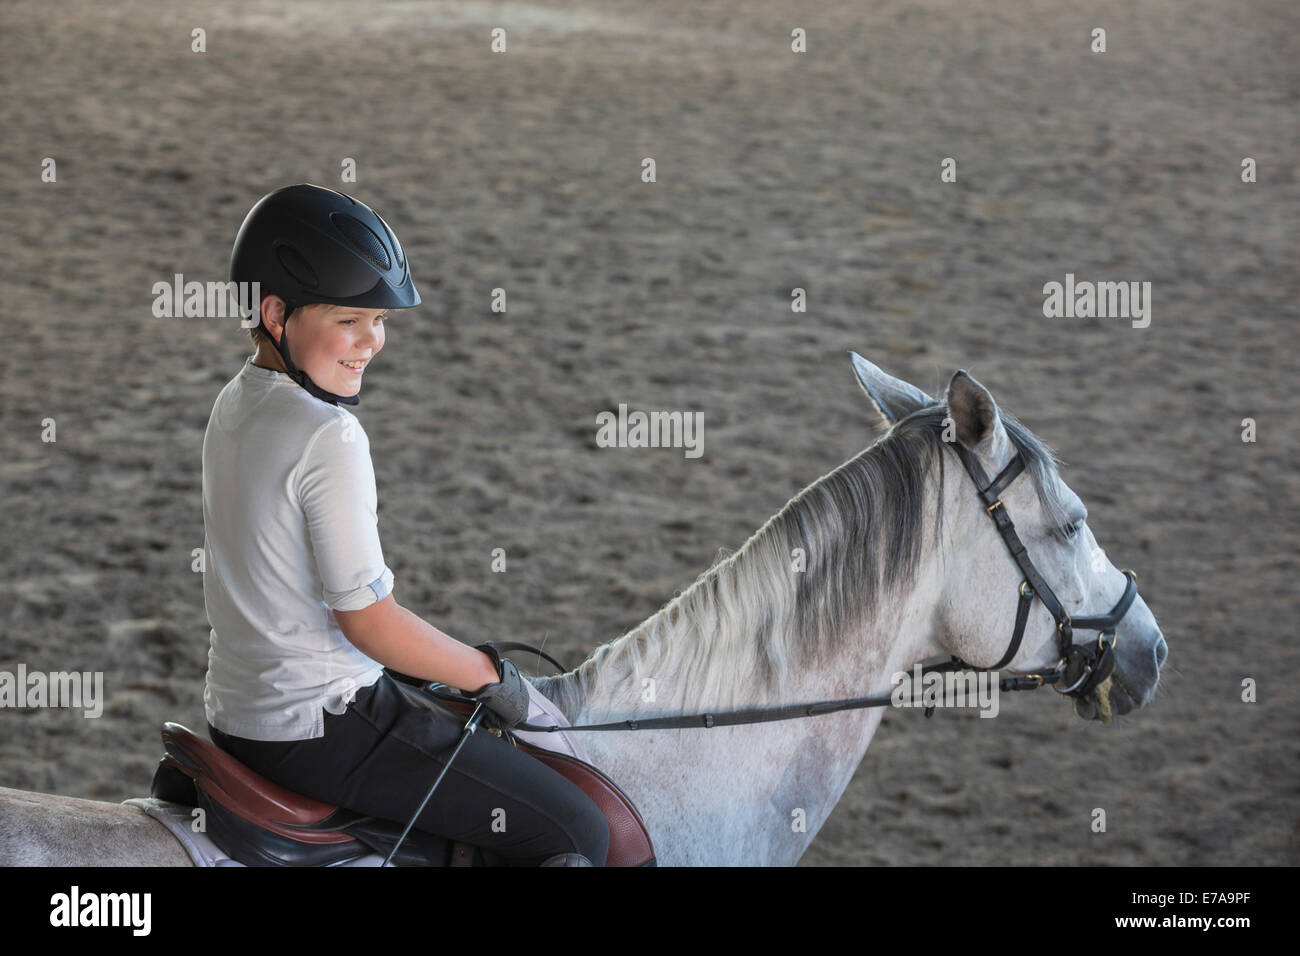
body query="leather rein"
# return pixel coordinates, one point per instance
(1081, 668)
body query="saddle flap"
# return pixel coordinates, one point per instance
(629, 840)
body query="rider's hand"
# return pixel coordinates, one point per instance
(508, 699)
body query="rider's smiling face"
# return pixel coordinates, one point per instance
(333, 344)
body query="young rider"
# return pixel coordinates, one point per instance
(297, 591)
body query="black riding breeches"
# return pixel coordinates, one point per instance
(381, 755)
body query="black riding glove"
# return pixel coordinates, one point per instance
(508, 699)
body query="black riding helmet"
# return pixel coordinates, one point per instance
(308, 244)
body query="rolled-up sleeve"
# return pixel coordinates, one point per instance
(336, 486)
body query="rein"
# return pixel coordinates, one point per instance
(752, 715)
(1082, 668)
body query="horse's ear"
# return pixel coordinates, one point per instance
(976, 419)
(893, 397)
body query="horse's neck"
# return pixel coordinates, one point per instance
(757, 793)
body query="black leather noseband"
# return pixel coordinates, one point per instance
(1081, 667)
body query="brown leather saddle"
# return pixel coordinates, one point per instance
(259, 823)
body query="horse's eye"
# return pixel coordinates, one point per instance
(1071, 529)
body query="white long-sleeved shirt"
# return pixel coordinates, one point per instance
(290, 535)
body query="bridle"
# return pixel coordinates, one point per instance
(1082, 668)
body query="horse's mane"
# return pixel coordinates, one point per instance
(860, 528)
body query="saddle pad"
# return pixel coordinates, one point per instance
(179, 820)
(543, 713)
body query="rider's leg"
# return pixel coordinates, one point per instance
(383, 753)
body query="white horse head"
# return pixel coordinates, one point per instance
(980, 584)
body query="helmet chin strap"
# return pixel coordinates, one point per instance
(301, 377)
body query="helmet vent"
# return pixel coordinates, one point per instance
(397, 246)
(363, 240)
(299, 269)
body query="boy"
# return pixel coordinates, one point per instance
(296, 588)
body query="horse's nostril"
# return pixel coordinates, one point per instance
(1162, 651)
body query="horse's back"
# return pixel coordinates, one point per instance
(44, 829)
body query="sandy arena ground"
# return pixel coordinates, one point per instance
(774, 171)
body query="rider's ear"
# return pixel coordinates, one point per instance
(273, 315)
(892, 397)
(976, 419)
